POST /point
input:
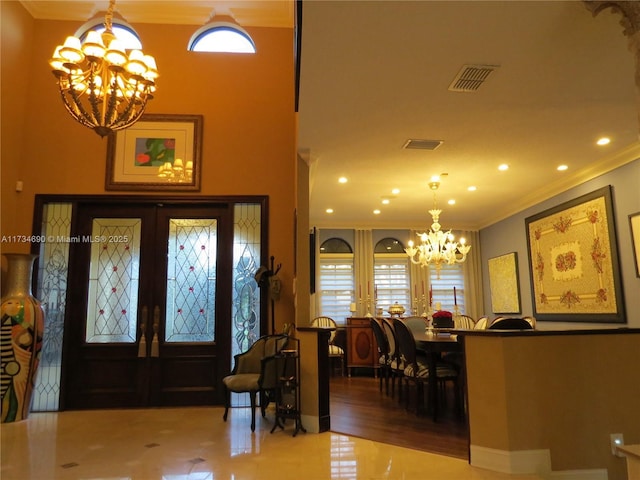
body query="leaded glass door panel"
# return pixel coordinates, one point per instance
(148, 296)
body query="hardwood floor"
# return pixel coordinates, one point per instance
(359, 409)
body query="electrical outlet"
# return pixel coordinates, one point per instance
(617, 439)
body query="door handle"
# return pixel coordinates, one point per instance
(155, 350)
(142, 345)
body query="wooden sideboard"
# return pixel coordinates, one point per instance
(362, 348)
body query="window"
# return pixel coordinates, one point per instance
(451, 276)
(336, 279)
(121, 29)
(221, 37)
(391, 274)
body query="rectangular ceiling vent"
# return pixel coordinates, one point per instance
(422, 144)
(471, 77)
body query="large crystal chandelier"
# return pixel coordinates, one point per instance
(437, 247)
(101, 86)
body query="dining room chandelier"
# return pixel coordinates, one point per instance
(101, 86)
(437, 247)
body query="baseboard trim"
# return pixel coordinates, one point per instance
(513, 462)
(528, 462)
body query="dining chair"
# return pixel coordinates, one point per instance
(531, 320)
(254, 372)
(335, 351)
(416, 370)
(481, 323)
(510, 323)
(464, 322)
(416, 324)
(384, 360)
(396, 365)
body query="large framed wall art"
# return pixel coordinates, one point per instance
(573, 261)
(158, 152)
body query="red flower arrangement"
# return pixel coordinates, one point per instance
(442, 314)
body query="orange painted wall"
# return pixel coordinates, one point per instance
(249, 124)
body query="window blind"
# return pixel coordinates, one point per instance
(450, 276)
(336, 286)
(392, 280)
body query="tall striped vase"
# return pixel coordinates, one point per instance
(21, 337)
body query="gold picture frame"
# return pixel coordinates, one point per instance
(573, 261)
(158, 152)
(504, 284)
(634, 226)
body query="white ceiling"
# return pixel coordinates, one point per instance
(375, 74)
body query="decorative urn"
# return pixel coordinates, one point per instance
(395, 309)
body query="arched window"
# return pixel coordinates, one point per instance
(121, 29)
(335, 245)
(221, 37)
(391, 275)
(336, 279)
(389, 245)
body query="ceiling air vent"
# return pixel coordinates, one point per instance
(470, 77)
(422, 144)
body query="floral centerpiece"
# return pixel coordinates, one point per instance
(443, 319)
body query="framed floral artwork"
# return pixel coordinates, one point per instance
(504, 284)
(158, 152)
(573, 261)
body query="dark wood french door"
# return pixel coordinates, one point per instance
(149, 292)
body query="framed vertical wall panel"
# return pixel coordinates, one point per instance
(504, 284)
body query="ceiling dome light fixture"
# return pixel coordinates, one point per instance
(437, 247)
(101, 86)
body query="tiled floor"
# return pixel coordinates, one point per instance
(195, 444)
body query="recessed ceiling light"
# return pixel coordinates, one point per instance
(435, 178)
(342, 180)
(603, 141)
(451, 202)
(503, 167)
(386, 201)
(376, 212)
(562, 168)
(329, 210)
(472, 188)
(395, 191)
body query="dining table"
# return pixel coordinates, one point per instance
(434, 343)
